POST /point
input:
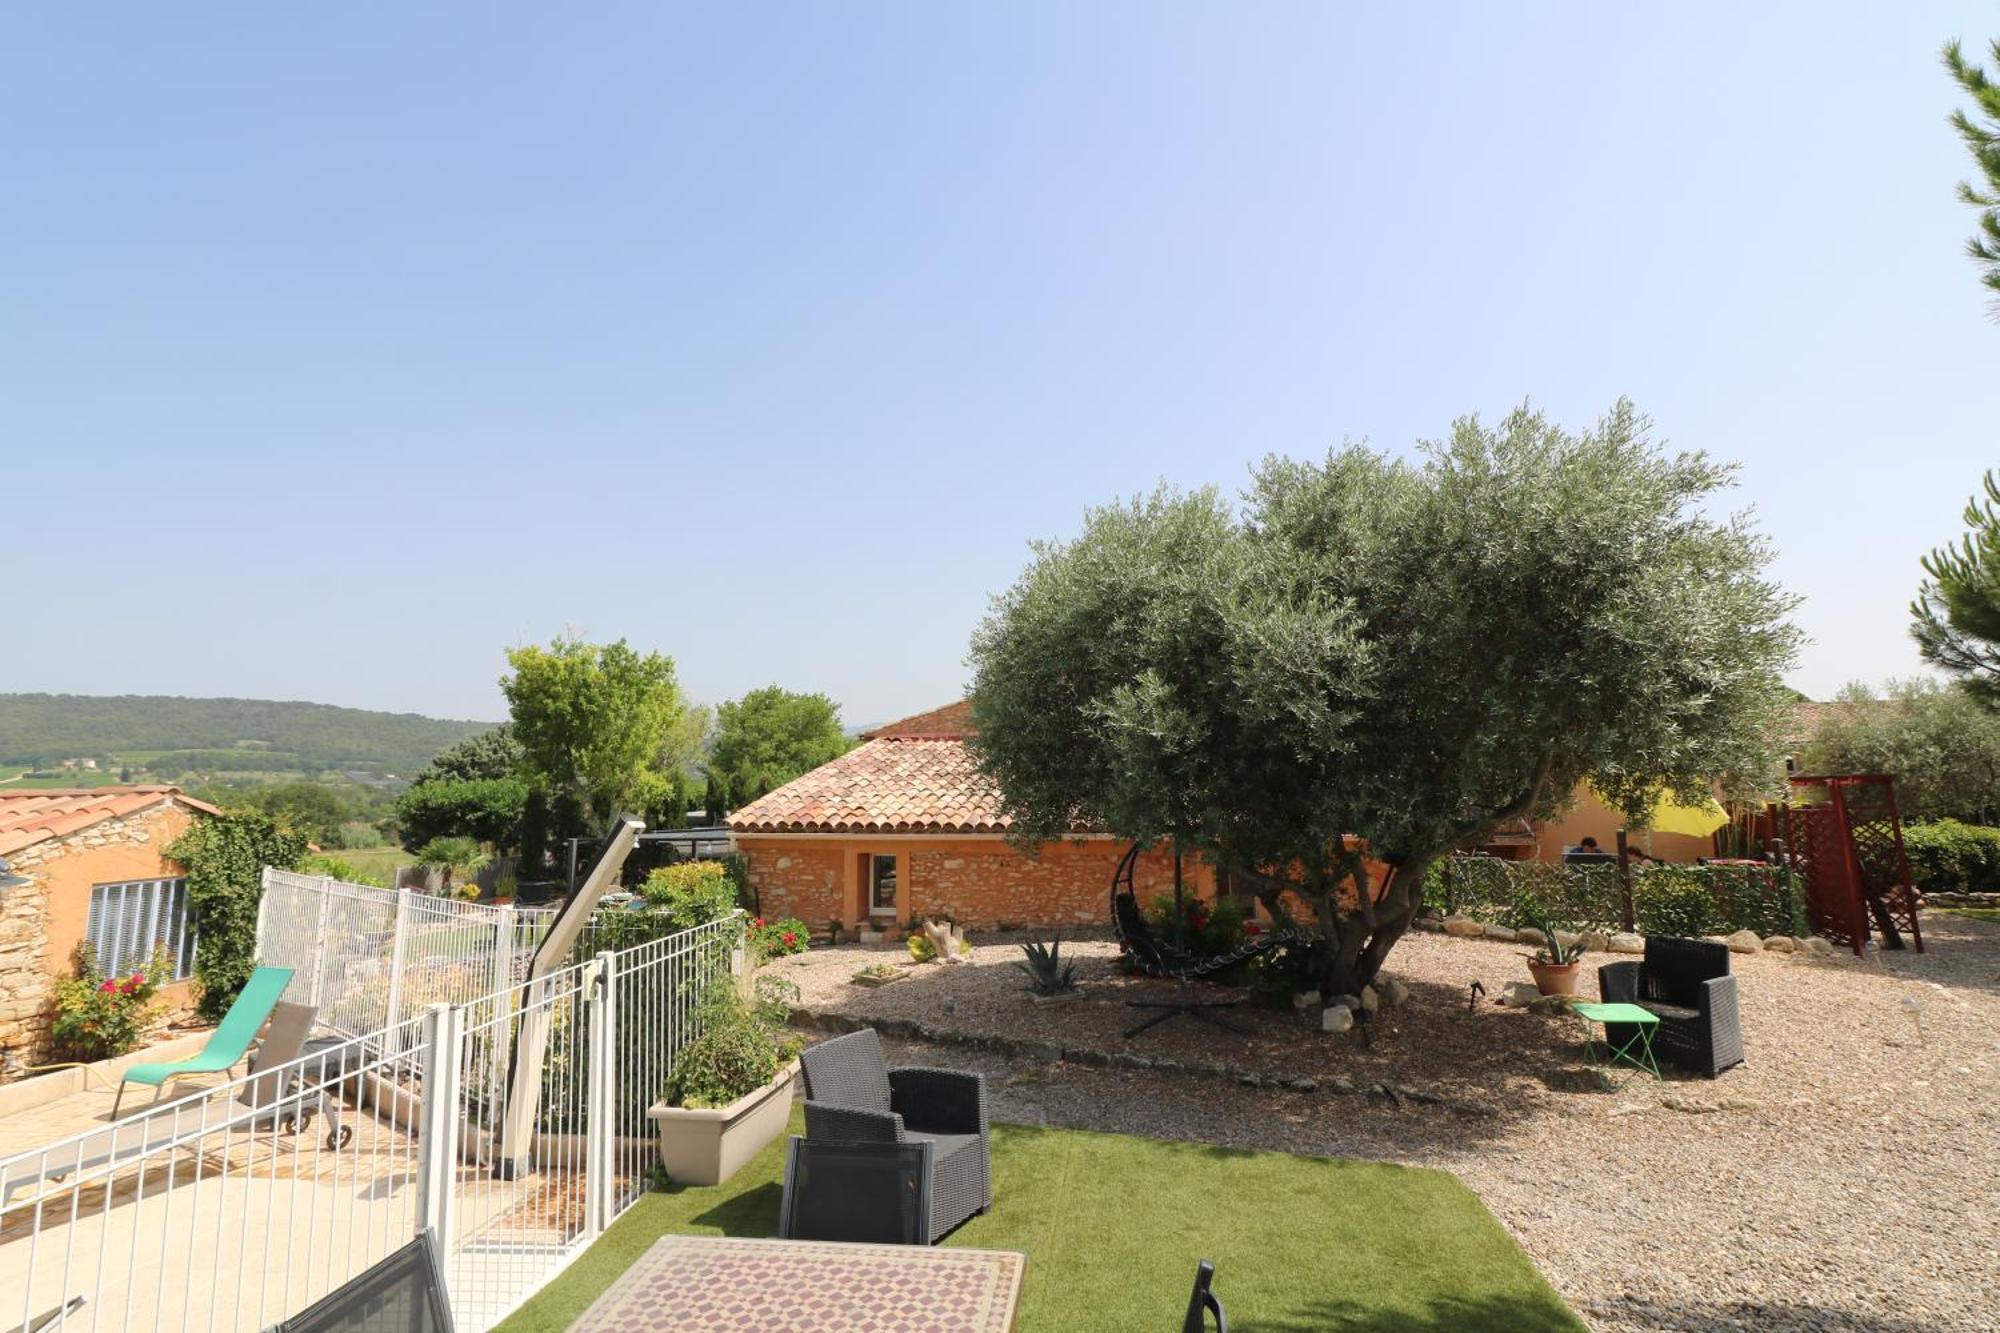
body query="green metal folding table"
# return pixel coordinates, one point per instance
(1637, 1048)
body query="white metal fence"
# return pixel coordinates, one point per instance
(511, 1122)
(369, 958)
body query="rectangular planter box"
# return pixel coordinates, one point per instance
(706, 1147)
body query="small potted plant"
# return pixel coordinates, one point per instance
(1554, 965)
(731, 1093)
(1050, 979)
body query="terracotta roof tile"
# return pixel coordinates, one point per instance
(951, 722)
(892, 784)
(29, 817)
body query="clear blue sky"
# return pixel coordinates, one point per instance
(342, 346)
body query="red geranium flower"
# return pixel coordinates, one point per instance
(109, 987)
(759, 923)
(791, 937)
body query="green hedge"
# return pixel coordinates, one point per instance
(1953, 857)
(1686, 900)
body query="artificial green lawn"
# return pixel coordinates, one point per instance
(1112, 1227)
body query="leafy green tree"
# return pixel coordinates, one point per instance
(224, 858)
(593, 723)
(715, 799)
(1957, 611)
(772, 735)
(484, 809)
(485, 757)
(1386, 657)
(311, 808)
(1941, 744)
(1982, 140)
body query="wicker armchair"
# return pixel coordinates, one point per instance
(853, 1098)
(1688, 985)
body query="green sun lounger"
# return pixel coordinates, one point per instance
(228, 1043)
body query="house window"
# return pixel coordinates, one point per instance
(128, 921)
(882, 886)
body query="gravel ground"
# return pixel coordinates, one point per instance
(1843, 1179)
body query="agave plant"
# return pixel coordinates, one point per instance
(1553, 950)
(1047, 973)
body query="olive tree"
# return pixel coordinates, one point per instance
(1371, 662)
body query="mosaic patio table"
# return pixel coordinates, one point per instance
(714, 1284)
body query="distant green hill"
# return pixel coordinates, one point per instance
(245, 734)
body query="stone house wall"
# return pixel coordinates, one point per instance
(795, 880)
(42, 921)
(982, 883)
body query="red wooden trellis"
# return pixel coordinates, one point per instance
(1848, 850)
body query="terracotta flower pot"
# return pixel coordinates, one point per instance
(1554, 978)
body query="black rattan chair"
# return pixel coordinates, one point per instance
(855, 1100)
(1687, 984)
(1202, 1302)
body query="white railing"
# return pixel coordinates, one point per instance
(369, 958)
(512, 1124)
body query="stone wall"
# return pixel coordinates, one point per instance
(42, 921)
(978, 882)
(796, 880)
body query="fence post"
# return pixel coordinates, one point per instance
(1625, 884)
(504, 945)
(263, 910)
(437, 1124)
(395, 1011)
(319, 937)
(601, 1106)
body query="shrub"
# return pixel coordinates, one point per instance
(224, 856)
(1673, 900)
(690, 893)
(775, 939)
(359, 835)
(97, 1017)
(1953, 857)
(741, 1048)
(319, 863)
(1212, 927)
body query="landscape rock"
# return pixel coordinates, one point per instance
(1745, 941)
(1394, 991)
(1529, 935)
(1303, 1085)
(1462, 926)
(1349, 1002)
(1819, 947)
(1781, 944)
(1336, 1018)
(1518, 995)
(1568, 939)
(1307, 1000)
(1504, 933)
(1370, 1001)
(1595, 940)
(1625, 942)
